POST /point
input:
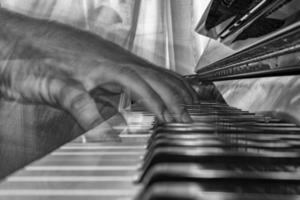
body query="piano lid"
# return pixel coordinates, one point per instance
(264, 33)
(237, 23)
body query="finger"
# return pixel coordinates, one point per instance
(102, 133)
(172, 78)
(106, 108)
(170, 94)
(71, 96)
(191, 90)
(140, 89)
(187, 87)
(175, 84)
(105, 96)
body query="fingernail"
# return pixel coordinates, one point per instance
(186, 118)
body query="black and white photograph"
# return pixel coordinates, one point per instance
(149, 99)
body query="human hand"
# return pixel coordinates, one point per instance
(55, 64)
(65, 82)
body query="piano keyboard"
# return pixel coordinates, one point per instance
(226, 153)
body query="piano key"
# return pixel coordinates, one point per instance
(76, 161)
(39, 173)
(192, 191)
(78, 194)
(71, 183)
(217, 155)
(276, 127)
(202, 174)
(285, 137)
(226, 144)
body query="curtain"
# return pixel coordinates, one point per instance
(161, 31)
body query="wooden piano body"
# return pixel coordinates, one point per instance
(260, 75)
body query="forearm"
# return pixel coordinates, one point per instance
(57, 39)
(54, 64)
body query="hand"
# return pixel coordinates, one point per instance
(66, 82)
(51, 63)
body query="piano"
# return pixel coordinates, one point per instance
(227, 153)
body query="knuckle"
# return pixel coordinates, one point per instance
(79, 102)
(57, 85)
(154, 105)
(127, 71)
(69, 94)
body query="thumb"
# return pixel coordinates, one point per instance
(71, 96)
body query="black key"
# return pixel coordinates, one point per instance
(217, 155)
(202, 174)
(193, 191)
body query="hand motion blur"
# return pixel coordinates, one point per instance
(50, 63)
